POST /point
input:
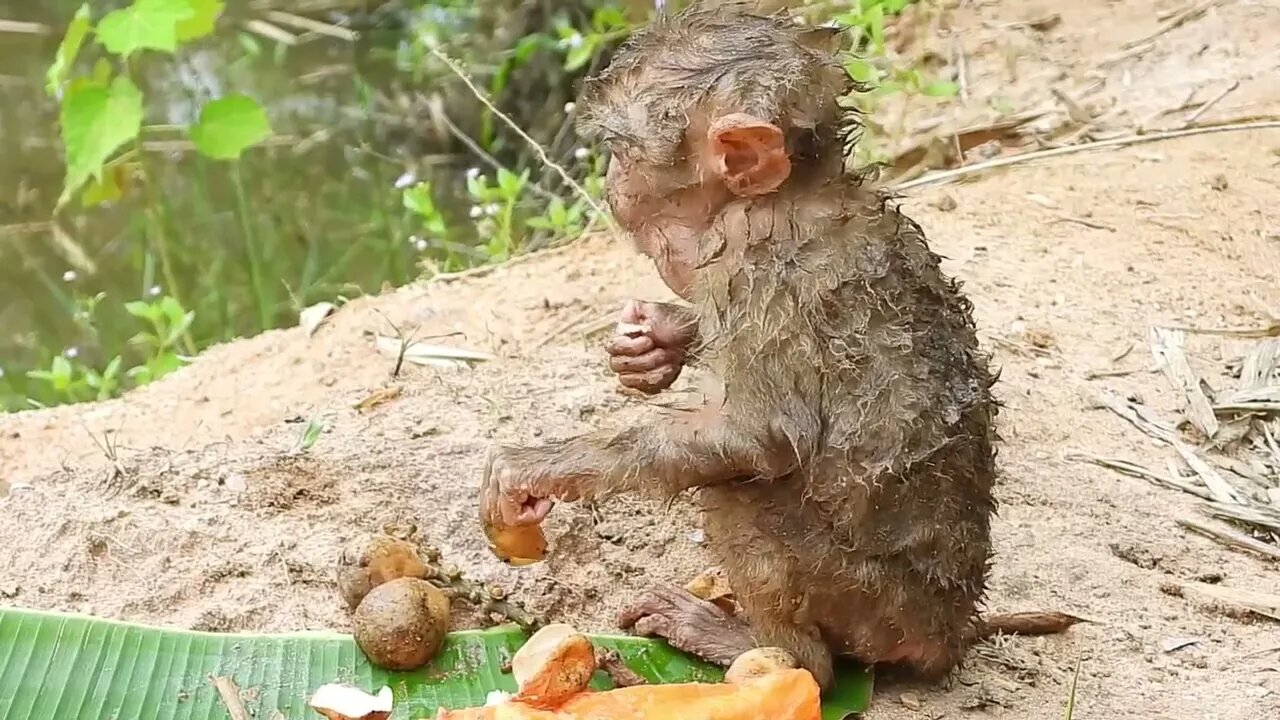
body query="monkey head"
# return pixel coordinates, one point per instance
(713, 104)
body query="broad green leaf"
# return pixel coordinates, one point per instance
(229, 125)
(75, 667)
(144, 25)
(68, 49)
(202, 21)
(96, 121)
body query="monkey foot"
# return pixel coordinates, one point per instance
(688, 623)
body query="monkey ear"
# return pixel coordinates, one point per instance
(749, 154)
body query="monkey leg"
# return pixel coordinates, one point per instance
(751, 529)
(688, 623)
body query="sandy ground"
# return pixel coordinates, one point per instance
(207, 519)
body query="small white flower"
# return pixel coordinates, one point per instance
(405, 180)
(473, 173)
(71, 352)
(421, 245)
(414, 239)
(574, 40)
(582, 153)
(1, 372)
(569, 107)
(476, 211)
(154, 291)
(69, 276)
(492, 209)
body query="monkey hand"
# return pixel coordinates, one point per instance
(688, 623)
(651, 345)
(517, 490)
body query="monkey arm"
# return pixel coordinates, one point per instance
(666, 457)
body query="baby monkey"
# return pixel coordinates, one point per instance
(846, 472)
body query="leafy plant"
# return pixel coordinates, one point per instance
(68, 379)
(167, 322)
(102, 111)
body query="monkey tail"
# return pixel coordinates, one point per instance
(1023, 623)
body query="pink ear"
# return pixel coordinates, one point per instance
(750, 154)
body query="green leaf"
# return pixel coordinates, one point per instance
(580, 54)
(941, 88)
(101, 191)
(138, 308)
(97, 120)
(68, 49)
(311, 434)
(202, 21)
(144, 25)
(229, 125)
(75, 667)
(418, 199)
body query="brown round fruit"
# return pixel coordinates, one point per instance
(401, 624)
(368, 562)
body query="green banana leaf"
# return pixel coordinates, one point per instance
(56, 666)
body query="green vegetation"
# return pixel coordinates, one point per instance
(55, 670)
(201, 170)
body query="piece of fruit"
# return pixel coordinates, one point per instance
(759, 662)
(713, 586)
(517, 546)
(401, 624)
(345, 702)
(368, 562)
(555, 664)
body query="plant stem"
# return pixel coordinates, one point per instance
(250, 245)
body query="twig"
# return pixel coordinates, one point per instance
(1138, 415)
(1084, 222)
(1270, 331)
(537, 148)
(271, 32)
(1261, 517)
(1231, 538)
(1221, 490)
(962, 70)
(24, 28)
(230, 697)
(1135, 470)
(488, 159)
(1258, 653)
(1233, 408)
(1174, 22)
(315, 26)
(1084, 147)
(1190, 119)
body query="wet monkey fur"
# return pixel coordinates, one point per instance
(846, 472)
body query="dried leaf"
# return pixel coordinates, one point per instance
(433, 355)
(1167, 346)
(379, 397)
(314, 316)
